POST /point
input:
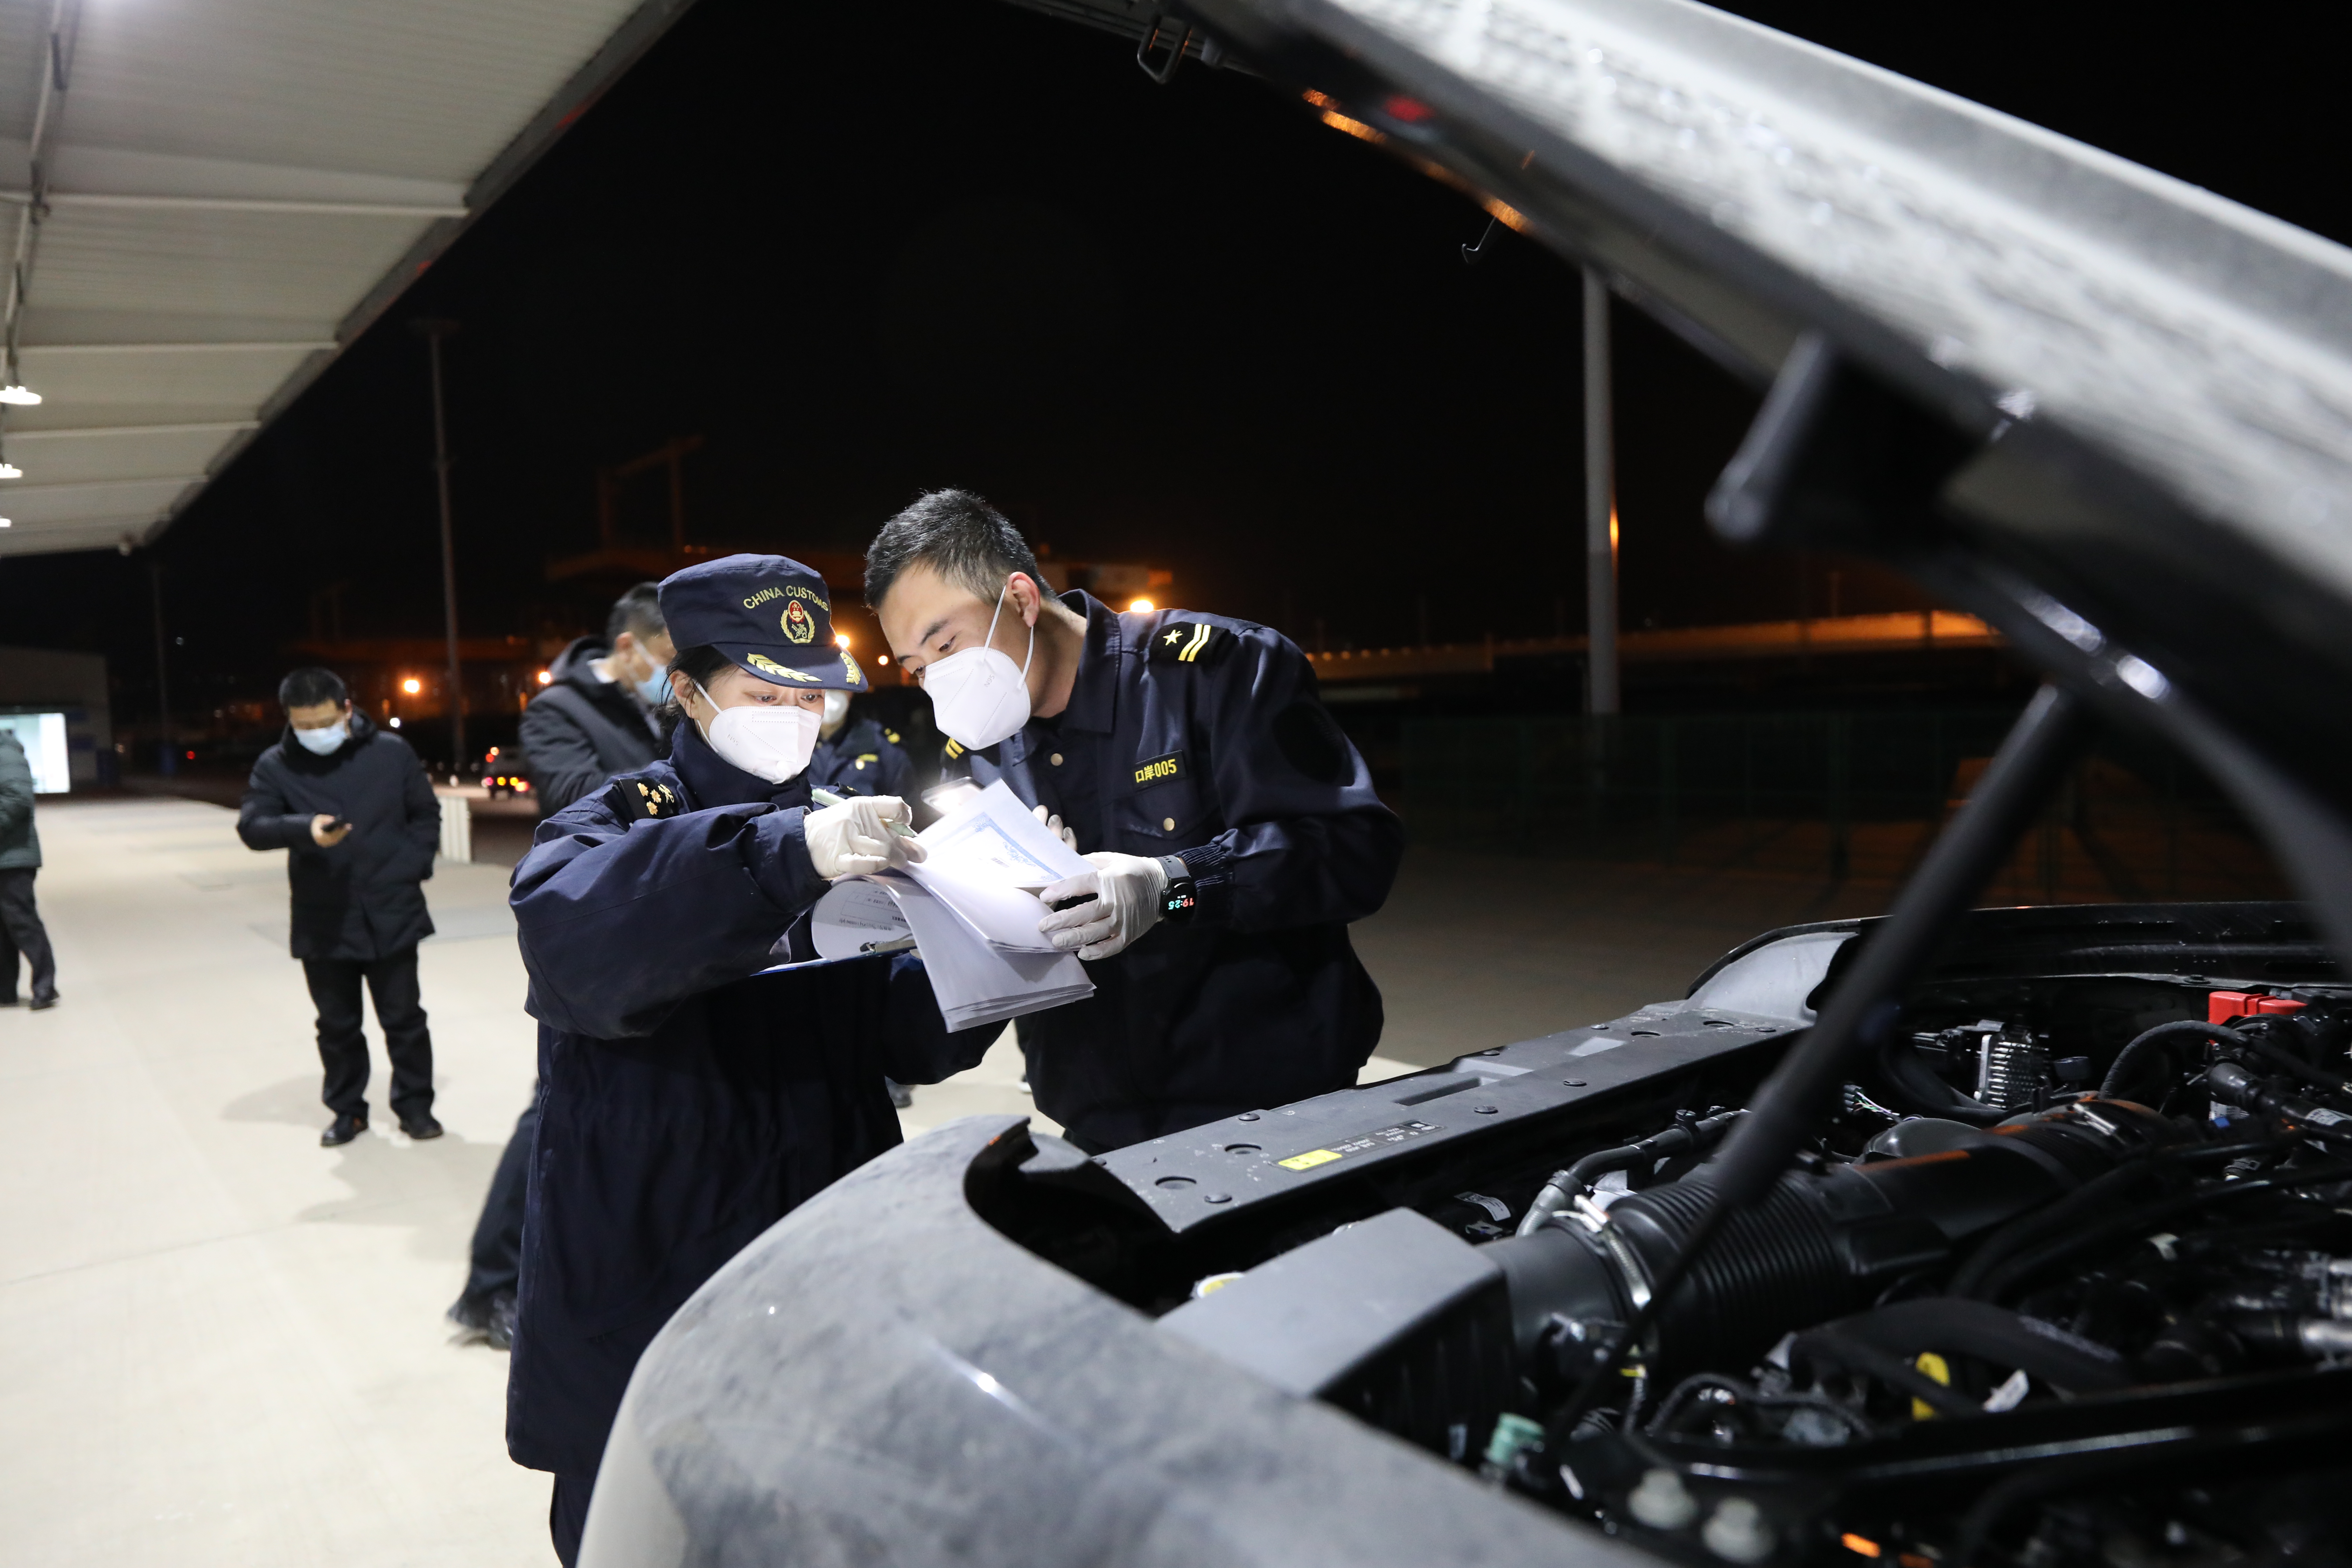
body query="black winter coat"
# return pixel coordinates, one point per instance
(365, 899)
(580, 731)
(687, 1100)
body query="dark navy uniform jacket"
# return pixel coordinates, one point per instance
(863, 759)
(1203, 737)
(686, 1104)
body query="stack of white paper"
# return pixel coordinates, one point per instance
(972, 910)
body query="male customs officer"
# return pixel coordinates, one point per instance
(1232, 827)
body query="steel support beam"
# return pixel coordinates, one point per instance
(1602, 691)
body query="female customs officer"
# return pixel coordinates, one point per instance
(688, 1101)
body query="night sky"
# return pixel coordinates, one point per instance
(866, 250)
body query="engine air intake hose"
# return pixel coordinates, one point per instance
(1818, 1245)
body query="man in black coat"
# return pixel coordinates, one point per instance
(598, 715)
(353, 809)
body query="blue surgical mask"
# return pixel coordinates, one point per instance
(329, 739)
(653, 689)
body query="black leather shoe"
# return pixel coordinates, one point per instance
(420, 1127)
(345, 1129)
(900, 1095)
(500, 1331)
(43, 1003)
(494, 1320)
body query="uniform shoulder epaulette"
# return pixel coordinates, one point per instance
(641, 800)
(1189, 642)
(954, 750)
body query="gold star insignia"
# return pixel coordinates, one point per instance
(1173, 637)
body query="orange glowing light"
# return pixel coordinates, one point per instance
(411, 686)
(882, 659)
(840, 639)
(1860, 1545)
(1140, 607)
(1612, 530)
(1355, 128)
(545, 676)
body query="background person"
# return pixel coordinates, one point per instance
(1232, 828)
(599, 713)
(858, 754)
(352, 807)
(21, 931)
(598, 716)
(686, 1101)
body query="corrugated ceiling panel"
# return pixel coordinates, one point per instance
(427, 88)
(158, 384)
(126, 452)
(297, 270)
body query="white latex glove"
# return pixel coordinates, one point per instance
(1054, 826)
(856, 837)
(1128, 890)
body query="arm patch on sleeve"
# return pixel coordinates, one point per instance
(643, 800)
(1310, 741)
(1189, 642)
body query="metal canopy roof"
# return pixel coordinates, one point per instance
(234, 190)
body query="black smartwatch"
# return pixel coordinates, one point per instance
(1179, 898)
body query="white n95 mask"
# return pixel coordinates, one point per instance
(979, 695)
(771, 743)
(837, 708)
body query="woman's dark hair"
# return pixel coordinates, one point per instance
(698, 664)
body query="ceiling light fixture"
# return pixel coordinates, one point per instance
(16, 393)
(7, 522)
(9, 470)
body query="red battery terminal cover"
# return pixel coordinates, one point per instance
(2221, 1006)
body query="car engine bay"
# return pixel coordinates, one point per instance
(2063, 1276)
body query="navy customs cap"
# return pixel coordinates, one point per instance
(770, 614)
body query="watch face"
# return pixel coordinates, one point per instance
(1178, 899)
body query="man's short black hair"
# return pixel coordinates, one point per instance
(960, 536)
(309, 687)
(636, 612)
